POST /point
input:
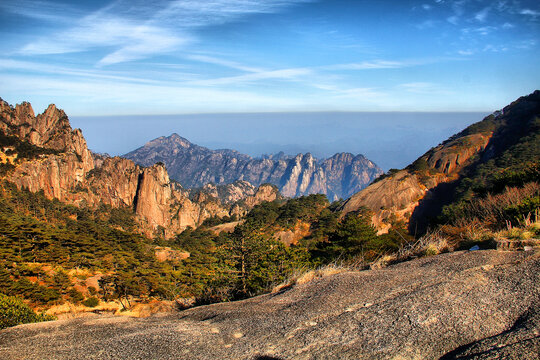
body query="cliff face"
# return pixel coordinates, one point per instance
(71, 173)
(412, 194)
(395, 198)
(193, 166)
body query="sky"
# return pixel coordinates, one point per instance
(155, 57)
(391, 140)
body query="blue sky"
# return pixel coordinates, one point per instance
(176, 57)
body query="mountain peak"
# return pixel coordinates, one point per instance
(172, 141)
(175, 136)
(194, 166)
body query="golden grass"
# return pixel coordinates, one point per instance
(69, 310)
(143, 310)
(139, 310)
(304, 276)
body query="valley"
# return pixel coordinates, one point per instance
(86, 234)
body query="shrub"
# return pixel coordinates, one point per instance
(75, 295)
(494, 210)
(14, 312)
(91, 302)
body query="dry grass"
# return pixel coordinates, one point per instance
(432, 243)
(445, 239)
(491, 209)
(303, 276)
(69, 310)
(148, 309)
(79, 273)
(139, 310)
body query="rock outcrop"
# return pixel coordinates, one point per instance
(394, 198)
(71, 173)
(193, 166)
(411, 195)
(457, 305)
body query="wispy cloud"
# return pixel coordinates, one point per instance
(423, 88)
(137, 32)
(42, 10)
(530, 12)
(495, 48)
(362, 94)
(483, 30)
(202, 13)
(466, 52)
(482, 14)
(427, 24)
(144, 98)
(11, 65)
(454, 20)
(130, 39)
(223, 62)
(369, 65)
(527, 44)
(282, 74)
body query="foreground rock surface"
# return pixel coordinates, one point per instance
(480, 305)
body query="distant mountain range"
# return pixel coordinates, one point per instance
(192, 166)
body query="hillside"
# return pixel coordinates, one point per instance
(194, 166)
(43, 153)
(478, 305)
(465, 167)
(81, 232)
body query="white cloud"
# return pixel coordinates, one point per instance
(283, 74)
(526, 44)
(42, 10)
(39, 68)
(359, 93)
(482, 15)
(422, 88)
(484, 30)
(495, 48)
(222, 62)
(137, 30)
(466, 52)
(428, 24)
(130, 39)
(368, 65)
(142, 42)
(117, 97)
(454, 20)
(189, 13)
(530, 12)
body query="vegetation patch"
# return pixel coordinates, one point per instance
(13, 311)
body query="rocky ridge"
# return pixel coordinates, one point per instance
(397, 196)
(194, 166)
(473, 304)
(74, 175)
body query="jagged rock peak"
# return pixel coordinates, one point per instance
(194, 166)
(50, 130)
